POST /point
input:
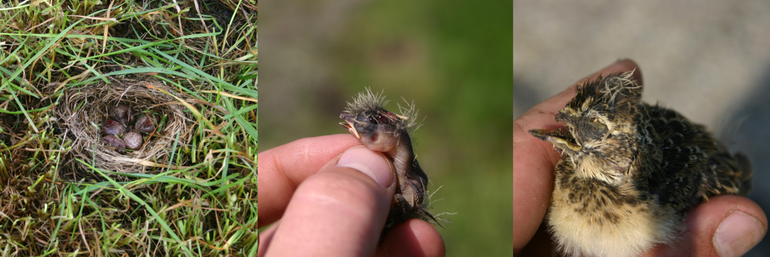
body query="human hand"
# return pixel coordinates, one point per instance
(332, 196)
(726, 225)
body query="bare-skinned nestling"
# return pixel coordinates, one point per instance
(629, 171)
(387, 132)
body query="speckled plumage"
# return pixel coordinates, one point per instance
(629, 170)
(387, 132)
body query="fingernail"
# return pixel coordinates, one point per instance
(737, 234)
(364, 160)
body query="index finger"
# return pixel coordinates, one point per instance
(283, 168)
(534, 159)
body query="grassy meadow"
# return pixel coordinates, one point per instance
(197, 196)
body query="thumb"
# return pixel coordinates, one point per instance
(725, 225)
(339, 211)
(370, 163)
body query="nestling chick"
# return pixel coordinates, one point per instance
(114, 128)
(122, 113)
(387, 132)
(629, 171)
(145, 124)
(115, 142)
(133, 140)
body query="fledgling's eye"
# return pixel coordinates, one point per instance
(592, 129)
(378, 119)
(375, 119)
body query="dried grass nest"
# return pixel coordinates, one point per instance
(85, 109)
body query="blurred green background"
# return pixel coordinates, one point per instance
(452, 58)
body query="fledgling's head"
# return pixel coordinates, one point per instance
(376, 128)
(601, 134)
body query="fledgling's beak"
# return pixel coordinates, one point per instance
(349, 124)
(559, 137)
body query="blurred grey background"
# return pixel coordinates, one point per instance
(709, 60)
(452, 58)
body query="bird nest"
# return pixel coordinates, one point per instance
(85, 109)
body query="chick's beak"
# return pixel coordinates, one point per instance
(559, 137)
(349, 124)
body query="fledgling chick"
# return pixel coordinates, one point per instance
(629, 171)
(387, 132)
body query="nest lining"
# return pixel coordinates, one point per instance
(85, 109)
